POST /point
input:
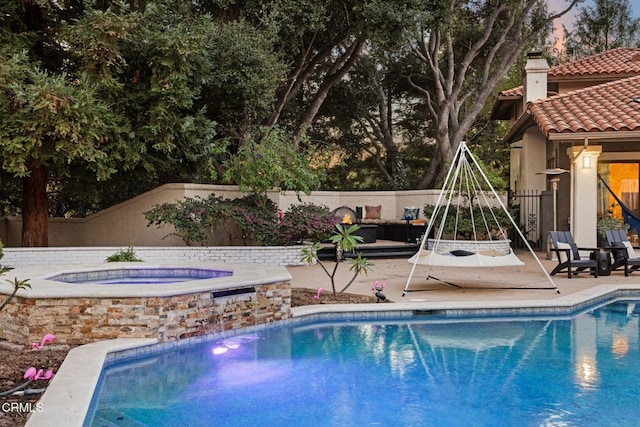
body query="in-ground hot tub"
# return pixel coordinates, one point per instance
(82, 304)
(142, 275)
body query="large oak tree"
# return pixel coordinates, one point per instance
(466, 48)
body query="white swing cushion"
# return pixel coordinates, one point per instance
(479, 259)
(631, 253)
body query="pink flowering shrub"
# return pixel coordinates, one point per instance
(258, 217)
(307, 222)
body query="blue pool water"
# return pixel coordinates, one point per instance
(580, 371)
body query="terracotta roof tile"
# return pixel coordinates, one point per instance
(621, 61)
(613, 106)
(516, 91)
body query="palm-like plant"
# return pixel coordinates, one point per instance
(345, 241)
(17, 285)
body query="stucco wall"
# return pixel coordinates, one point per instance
(392, 202)
(124, 224)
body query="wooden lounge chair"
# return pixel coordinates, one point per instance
(568, 254)
(623, 253)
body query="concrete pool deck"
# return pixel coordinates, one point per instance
(477, 285)
(68, 396)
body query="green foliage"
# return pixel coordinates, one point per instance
(460, 221)
(169, 91)
(306, 222)
(257, 216)
(370, 113)
(344, 241)
(602, 25)
(124, 255)
(271, 160)
(104, 90)
(17, 285)
(192, 218)
(155, 63)
(51, 120)
(608, 222)
(462, 58)
(245, 76)
(195, 219)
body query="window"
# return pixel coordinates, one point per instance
(623, 179)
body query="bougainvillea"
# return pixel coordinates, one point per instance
(194, 219)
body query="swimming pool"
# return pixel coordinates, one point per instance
(423, 370)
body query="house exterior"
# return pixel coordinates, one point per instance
(582, 118)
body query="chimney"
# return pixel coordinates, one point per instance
(535, 77)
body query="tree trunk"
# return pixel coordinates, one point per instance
(35, 208)
(347, 60)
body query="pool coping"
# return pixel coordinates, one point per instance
(68, 396)
(42, 287)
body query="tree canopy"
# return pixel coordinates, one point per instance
(99, 89)
(607, 24)
(464, 51)
(101, 100)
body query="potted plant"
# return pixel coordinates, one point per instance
(607, 223)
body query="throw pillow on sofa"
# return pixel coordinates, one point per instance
(372, 212)
(411, 213)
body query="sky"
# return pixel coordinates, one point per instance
(569, 18)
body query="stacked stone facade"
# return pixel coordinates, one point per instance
(78, 320)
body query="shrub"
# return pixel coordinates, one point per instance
(459, 221)
(194, 219)
(608, 222)
(256, 215)
(124, 255)
(307, 222)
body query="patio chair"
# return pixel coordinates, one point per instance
(568, 254)
(624, 256)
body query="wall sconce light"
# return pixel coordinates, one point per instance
(586, 162)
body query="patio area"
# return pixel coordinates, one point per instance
(478, 286)
(481, 293)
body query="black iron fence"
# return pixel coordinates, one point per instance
(525, 208)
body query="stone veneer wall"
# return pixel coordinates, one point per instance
(82, 320)
(268, 255)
